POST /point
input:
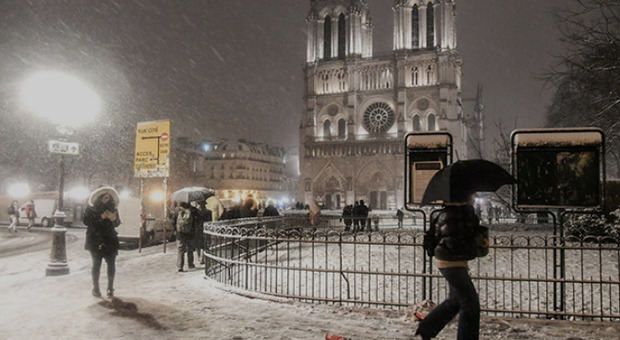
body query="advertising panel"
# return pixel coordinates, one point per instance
(558, 168)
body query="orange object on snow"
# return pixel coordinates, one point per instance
(334, 337)
(419, 316)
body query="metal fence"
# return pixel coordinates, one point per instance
(522, 276)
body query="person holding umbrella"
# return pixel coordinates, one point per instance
(455, 229)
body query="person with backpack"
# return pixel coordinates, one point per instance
(13, 212)
(452, 240)
(185, 235)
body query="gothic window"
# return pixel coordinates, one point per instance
(431, 122)
(416, 123)
(342, 34)
(327, 129)
(327, 38)
(429, 75)
(378, 118)
(430, 26)
(415, 27)
(415, 77)
(342, 129)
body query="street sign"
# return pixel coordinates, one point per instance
(64, 148)
(152, 151)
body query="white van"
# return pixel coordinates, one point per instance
(44, 208)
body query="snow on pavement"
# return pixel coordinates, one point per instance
(156, 302)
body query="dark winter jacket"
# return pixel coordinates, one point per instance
(455, 230)
(271, 211)
(101, 236)
(347, 212)
(13, 211)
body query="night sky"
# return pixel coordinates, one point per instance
(233, 68)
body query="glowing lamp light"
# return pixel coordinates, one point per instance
(19, 190)
(157, 196)
(78, 193)
(61, 98)
(206, 147)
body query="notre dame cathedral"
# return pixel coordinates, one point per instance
(359, 106)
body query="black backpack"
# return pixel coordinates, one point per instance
(185, 222)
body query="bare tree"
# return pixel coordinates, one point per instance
(586, 76)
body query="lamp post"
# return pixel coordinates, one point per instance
(67, 102)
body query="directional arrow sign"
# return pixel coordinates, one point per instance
(64, 148)
(151, 156)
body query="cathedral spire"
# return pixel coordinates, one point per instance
(424, 24)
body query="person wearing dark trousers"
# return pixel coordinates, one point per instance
(101, 218)
(185, 235)
(355, 212)
(455, 227)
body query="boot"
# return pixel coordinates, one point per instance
(96, 292)
(110, 292)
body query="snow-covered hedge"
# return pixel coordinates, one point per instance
(607, 225)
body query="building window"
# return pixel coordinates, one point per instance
(415, 27)
(327, 38)
(378, 118)
(430, 26)
(429, 75)
(416, 123)
(342, 36)
(432, 126)
(327, 129)
(342, 129)
(415, 77)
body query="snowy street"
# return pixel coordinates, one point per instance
(156, 302)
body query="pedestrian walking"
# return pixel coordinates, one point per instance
(31, 214)
(455, 227)
(363, 213)
(399, 216)
(13, 212)
(101, 219)
(347, 213)
(356, 216)
(185, 236)
(490, 211)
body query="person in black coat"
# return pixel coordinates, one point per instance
(101, 218)
(347, 213)
(271, 210)
(455, 230)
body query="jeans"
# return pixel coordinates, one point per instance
(110, 261)
(14, 222)
(463, 300)
(184, 245)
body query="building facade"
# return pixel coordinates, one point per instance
(359, 106)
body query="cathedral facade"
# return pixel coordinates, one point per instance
(359, 106)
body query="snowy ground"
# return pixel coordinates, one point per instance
(156, 302)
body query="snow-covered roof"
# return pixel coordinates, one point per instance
(560, 137)
(427, 141)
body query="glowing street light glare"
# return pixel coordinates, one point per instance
(18, 190)
(79, 193)
(157, 196)
(60, 98)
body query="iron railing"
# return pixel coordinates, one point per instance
(387, 268)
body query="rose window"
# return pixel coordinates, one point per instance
(378, 118)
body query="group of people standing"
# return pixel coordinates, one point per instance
(356, 214)
(14, 214)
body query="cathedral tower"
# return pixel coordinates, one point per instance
(359, 107)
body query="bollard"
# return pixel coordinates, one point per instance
(58, 258)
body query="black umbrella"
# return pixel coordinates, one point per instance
(189, 194)
(457, 181)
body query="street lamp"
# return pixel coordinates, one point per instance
(68, 103)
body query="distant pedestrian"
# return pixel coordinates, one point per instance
(13, 212)
(490, 213)
(185, 235)
(399, 216)
(31, 214)
(347, 213)
(363, 212)
(101, 218)
(215, 206)
(271, 210)
(497, 213)
(356, 216)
